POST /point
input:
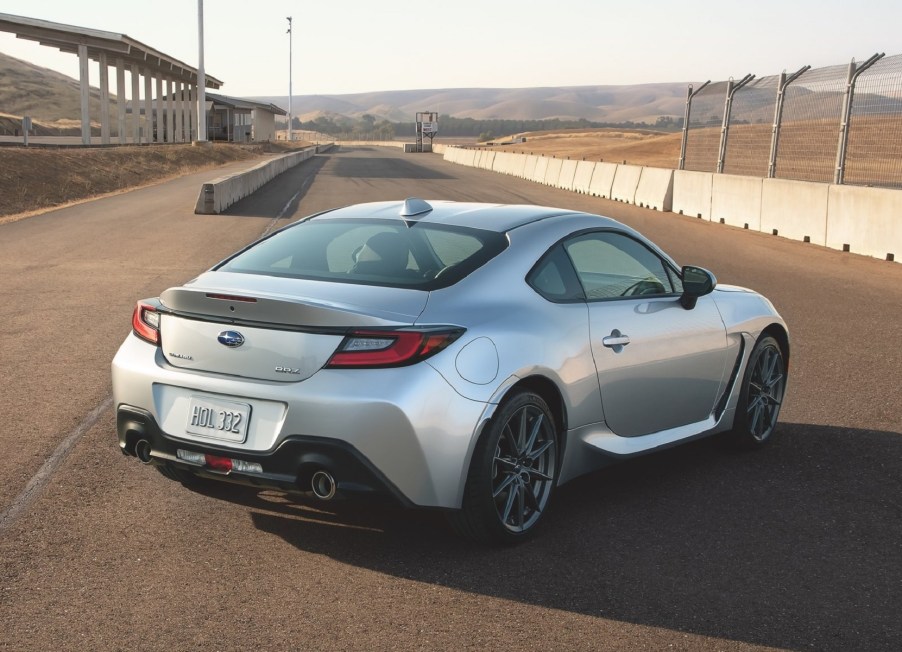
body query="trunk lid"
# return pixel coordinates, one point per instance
(270, 328)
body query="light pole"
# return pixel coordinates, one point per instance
(201, 77)
(289, 78)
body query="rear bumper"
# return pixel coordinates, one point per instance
(289, 467)
(404, 431)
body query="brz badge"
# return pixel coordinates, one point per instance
(287, 370)
(231, 339)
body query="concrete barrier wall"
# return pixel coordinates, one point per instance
(602, 180)
(795, 209)
(583, 176)
(868, 220)
(541, 170)
(626, 180)
(553, 172)
(737, 200)
(217, 195)
(655, 189)
(568, 172)
(529, 167)
(692, 193)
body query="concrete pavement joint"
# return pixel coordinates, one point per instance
(40, 479)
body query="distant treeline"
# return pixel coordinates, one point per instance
(469, 127)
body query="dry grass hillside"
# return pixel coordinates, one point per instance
(36, 179)
(637, 147)
(43, 94)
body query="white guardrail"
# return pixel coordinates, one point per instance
(217, 195)
(850, 218)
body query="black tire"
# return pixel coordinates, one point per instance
(512, 474)
(178, 475)
(761, 396)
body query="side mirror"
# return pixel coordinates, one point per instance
(697, 282)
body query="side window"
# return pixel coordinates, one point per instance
(611, 265)
(554, 279)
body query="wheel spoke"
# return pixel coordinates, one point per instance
(533, 434)
(531, 499)
(521, 504)
(540, 450)
(507, 462)
(774, 381)
(504, 484)
(511, 496)
(538, 474)
(521, 435)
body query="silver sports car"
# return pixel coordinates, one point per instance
(470, 357)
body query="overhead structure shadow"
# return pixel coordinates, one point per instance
(797, 545)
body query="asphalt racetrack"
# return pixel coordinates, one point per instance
(797, 546)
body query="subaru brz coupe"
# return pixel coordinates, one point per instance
(469, 357)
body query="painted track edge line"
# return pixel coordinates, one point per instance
(40, 479)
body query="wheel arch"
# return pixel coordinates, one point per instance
(551, 394)
(778, 332)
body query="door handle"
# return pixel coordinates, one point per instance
(616, 340)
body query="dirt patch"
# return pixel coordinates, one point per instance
(36, 179)
(636, 147)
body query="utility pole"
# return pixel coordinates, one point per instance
(289, 78)
(201, 77)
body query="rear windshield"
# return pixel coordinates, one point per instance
(372, 252)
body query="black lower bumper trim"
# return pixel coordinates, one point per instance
(288, 467)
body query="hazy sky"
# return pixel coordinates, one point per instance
(347, 46)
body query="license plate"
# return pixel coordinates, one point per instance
(218, 419)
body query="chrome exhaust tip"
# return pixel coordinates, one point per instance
(142, 451)
(323, 485)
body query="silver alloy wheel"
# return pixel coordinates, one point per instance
(765, 393)
(523, 468)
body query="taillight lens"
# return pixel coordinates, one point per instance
(384, 348)
(146, 322)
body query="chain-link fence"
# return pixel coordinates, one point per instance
(837, 124)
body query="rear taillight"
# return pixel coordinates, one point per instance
(146, 322)
(385, 348)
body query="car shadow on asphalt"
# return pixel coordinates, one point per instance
(797, 545)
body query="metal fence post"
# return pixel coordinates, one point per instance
(689, 95)
(778, 117)
(725, 125)
(848, 96)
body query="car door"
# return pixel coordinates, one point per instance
(659, 365)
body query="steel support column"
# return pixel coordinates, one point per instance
(848, 97)
(727, 111)
(778, 118)
(689, 95)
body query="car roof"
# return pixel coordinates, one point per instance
(491, 217)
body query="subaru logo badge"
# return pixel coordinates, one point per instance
(231, 339)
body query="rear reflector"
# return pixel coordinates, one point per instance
(384, 348)
(217, 463)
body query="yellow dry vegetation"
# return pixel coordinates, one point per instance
(633, 146)
(36, 179)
